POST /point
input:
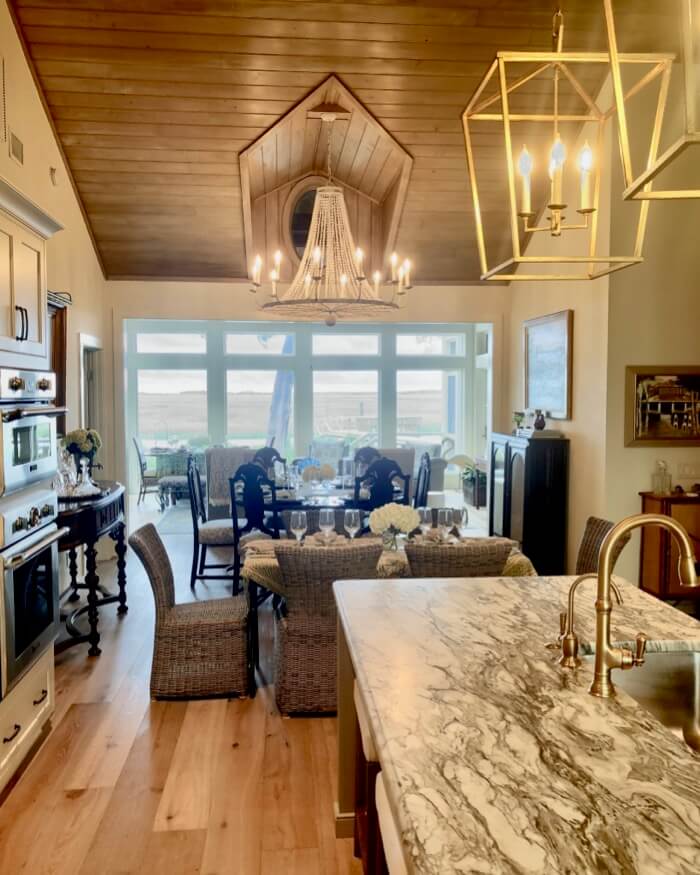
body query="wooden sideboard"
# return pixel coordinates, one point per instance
(528, 497)
(658, 566)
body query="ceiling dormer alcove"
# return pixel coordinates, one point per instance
(290, 159)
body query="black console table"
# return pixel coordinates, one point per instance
(88, 521)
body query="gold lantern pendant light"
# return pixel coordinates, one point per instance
(558, 65)
(330, 282)
(638, 184)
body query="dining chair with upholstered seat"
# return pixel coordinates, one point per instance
(589, 549)
(471, 557)
(148, 483)
(206, 533)
(306, 635)
(200, 649)
(221, 464)
(250, 515)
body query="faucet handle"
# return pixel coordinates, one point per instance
(563, 619)
(640, 649)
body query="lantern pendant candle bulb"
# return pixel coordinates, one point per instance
(556, 171)
(377, 279)
(585, 163)
(525, 168)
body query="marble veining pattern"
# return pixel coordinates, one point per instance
(496, 759)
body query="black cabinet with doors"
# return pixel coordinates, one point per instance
(528, 497)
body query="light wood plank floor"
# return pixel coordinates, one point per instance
(124, 785)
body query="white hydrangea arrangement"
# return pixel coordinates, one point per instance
(393, 519)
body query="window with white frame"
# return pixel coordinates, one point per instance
(305, 387)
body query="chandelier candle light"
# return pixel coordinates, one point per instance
(330, 282)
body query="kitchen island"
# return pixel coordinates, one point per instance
(497, 760)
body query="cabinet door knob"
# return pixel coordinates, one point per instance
(44, 694)
(14, 735)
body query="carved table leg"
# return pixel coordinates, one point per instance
(73, 569)
(91, 579)
(120, 548)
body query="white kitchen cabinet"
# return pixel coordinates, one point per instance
(24, 229)
(23, 714)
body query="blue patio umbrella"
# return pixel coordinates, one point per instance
(281, 404)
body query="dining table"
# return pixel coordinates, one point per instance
(260, 566)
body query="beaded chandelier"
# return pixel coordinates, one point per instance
(330, 282)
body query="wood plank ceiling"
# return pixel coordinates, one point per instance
(153, 100)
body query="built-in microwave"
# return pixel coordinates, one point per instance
(28, 452)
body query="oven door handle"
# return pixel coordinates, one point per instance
(21, 558)
(27, 412)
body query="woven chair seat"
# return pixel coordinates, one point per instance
(213, 612)
(216, 533)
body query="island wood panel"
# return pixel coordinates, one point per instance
(176, 90)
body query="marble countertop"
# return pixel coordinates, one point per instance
(497, 760)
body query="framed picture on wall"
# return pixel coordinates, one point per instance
(548, 348)
(662, 406)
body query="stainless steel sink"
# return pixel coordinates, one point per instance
(668, 686)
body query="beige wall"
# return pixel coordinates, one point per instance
(654, 318)
(233, 301)
(589, 301)
(71, 262)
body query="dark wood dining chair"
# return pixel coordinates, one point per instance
(250, 511)
(381, 483)
(206, 533)
(420, 496)
(266, 458)
(364, 458)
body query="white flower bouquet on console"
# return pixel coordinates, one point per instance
(392, 520)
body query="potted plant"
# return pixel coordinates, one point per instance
(473, 485)
(83, 443)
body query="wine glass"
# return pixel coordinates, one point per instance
(326, 522)
(461, 520)
(425, 517)
(444, 522)
(352, 522)
(298, 524)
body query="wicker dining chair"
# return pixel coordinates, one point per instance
(589, 549)
(305, 640)
(201, 649)
(472, 557)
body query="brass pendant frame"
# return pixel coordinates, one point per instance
(574, 267)
(638, 185)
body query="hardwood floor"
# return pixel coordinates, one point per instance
(125, 785)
